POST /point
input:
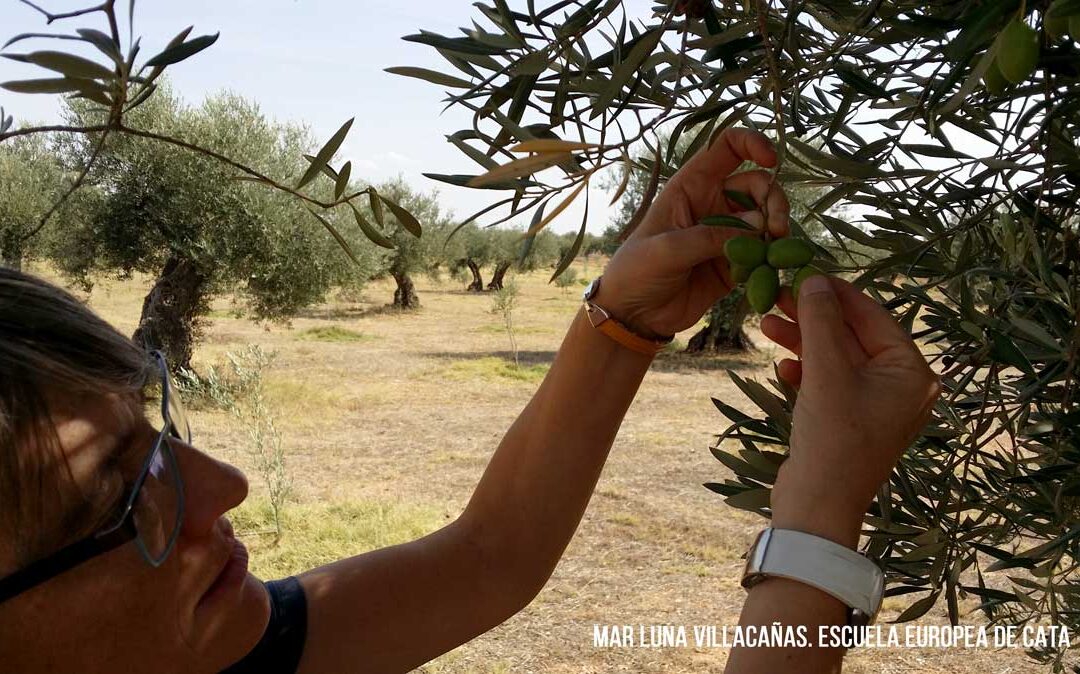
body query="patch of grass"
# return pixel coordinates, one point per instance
(492, 368)
(299, 401)
(225, 313)
(501, 330)
(698, 570)
(333, 333)
(455, 661)
(320, 533)
(625, 519)
(710, 553)
(676, 346)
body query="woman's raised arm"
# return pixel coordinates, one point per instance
(392, 609)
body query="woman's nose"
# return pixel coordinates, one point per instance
(211, 488)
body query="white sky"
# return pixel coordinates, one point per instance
(315, 61)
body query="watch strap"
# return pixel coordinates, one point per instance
(602, 321)
(830, 567)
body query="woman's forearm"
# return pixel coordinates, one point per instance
(536, 487)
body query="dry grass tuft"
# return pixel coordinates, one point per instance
(320, 533)
(333, 333)
(494, 369)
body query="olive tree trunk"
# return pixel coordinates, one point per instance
(500, 273)
(723, 330)
(171, 312)
(405, 296)
(477, 284)
(11, 253)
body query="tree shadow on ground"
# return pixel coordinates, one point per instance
(455, 293)
(681, 362)
(340, 313)
(526, 358)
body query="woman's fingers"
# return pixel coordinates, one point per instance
(680, 250)
(786, 303)
(872, 324)
(728, 152)
(768, 195)
(783, 332)
(790, 371)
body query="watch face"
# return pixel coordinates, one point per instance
(590, 290)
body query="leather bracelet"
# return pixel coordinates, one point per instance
(600, 319)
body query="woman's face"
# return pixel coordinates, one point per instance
(200, 611)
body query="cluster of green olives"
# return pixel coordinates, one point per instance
(1015, 53)
(758, 264)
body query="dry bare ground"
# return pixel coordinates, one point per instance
(392, 431)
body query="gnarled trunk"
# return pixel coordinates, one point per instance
(11, 253)
(171, 312)
(724, 328)
(500, 273)
(477, 284)
(405, 296)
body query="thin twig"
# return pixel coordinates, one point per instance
(74, 186)
(231, 162)
(30, 130)
(774, 82)
(50, 17)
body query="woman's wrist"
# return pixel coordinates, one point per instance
(607, 348)
(800, 503)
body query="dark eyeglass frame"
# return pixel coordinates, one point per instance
(125, 529)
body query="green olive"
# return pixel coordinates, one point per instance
(995, 82)
(800, 276)
(740, 273)
(789, 253)
(1055, 23)
(762, 288)
(1057, 27)
(1018, 51)
(745, 250)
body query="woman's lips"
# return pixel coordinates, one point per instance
(231, 576)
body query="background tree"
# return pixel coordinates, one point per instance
(31, 179)
(182, 218)
(476, 252)
(110, 89)
(509, 251)
(471, 248)
(408, 255)
(965, 196)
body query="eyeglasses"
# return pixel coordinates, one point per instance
(152, 514)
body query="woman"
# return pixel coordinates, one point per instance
(115, 555)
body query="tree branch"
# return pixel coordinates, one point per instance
(50, 17)
(27, 131)
(74, 187)
(233, 163)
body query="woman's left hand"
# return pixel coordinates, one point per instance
(671, 270)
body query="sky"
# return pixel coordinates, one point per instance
(314, 61)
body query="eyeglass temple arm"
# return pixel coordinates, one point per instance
(65, 559)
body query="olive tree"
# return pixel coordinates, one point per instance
(404, 255)
(109, 90)
(469, 247)
(183, 219)
(949, 132)
(31, 179)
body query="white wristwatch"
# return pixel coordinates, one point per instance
(821, 563)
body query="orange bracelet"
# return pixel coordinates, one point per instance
(600, 319)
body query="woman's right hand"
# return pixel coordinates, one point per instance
(865, 393)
